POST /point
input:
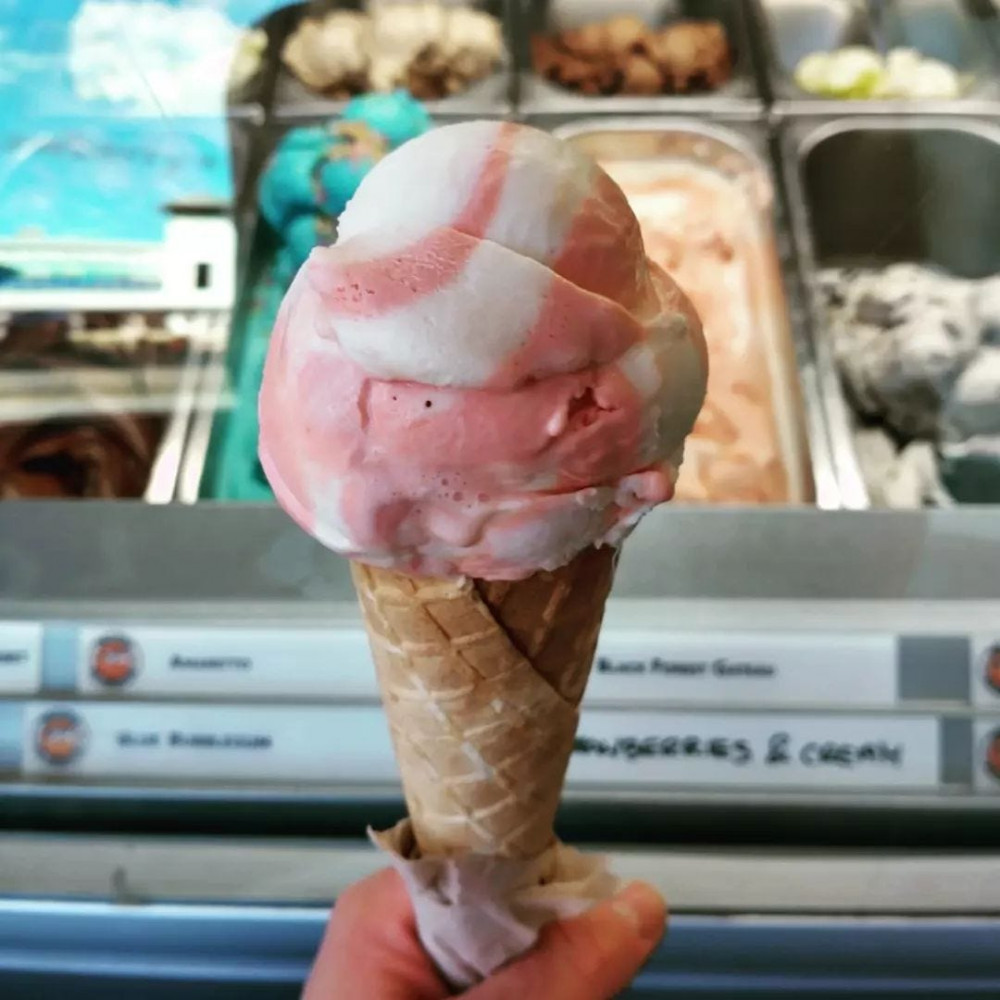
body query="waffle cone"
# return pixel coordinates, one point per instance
(481, 682)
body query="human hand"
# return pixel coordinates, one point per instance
(370, 950)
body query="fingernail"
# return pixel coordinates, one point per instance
(643, 907)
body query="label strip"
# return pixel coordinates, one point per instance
(783, 668)
(152, 660)
(808, 751)
(351, 744)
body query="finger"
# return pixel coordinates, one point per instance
(370, 949)
(591, 957)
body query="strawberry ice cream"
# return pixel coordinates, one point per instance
(484, 375)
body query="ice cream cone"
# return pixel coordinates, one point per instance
(466, 387)
(481, 682)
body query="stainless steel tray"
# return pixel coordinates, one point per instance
(213, 397)
(255, 251)
(177, 404)
(944, 29)
(165, 473)
(739, 152)
(537, 95)
(212, 400)
(292, 100)
(930, 193)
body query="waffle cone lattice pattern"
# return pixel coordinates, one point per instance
(481, 682)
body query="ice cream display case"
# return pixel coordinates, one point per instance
(792, 725)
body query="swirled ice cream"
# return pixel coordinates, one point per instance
(484, 375)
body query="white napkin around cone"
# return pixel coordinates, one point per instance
(476, 912)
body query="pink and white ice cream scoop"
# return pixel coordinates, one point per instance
(484, 375)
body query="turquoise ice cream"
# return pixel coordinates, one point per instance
(396, 116)
(317, 168)
(301, 235)
(287, 187)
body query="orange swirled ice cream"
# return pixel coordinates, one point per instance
(485, 374)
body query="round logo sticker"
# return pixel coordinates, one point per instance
(114, 660)
(991, 671)
(993, 753)
(60, 736)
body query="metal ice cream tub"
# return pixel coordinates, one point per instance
(952, 31)
(488, 96)
(220, 454)
(222, 441)
(538, 95)
(140, 409)
(757, 310)
(220, 460)
(874, 191)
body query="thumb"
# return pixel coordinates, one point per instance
(591, 957)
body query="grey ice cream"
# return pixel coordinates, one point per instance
(919, 355)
